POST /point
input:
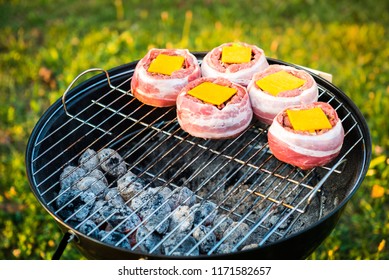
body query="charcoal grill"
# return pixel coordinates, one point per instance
(289, 212)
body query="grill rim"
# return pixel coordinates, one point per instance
(121, 71)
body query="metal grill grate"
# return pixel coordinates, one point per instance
(240, 175)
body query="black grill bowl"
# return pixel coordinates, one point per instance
(70, 137)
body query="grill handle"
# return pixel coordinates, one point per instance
(71, 85)
(68, 237)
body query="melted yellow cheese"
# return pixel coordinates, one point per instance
(212, 93)
(308, 119)
(279, 82)
(166, 64)
(236, 54)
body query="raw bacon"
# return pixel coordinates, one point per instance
(161, 90)
(267, 106)
(240, 73)
(303, 148)
(208, 121)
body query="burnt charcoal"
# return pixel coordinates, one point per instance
(210, 240)
(225, 222)
(121, 219)
(205, 210)
(98, 210)
(90, 228)
(114, 198)
(235, 235)
(188, 243)
(181, 218)
(145, 244)
(112, 238)
(224, 248)
(130, 185)
(76, 204)
(98, 174)
(182, 196)
(92, 184)
(146, 203)
(71, 175)
(89, 160)
(111, 162)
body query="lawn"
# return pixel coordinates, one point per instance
(45, 44)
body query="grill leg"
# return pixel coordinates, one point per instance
(67, 238)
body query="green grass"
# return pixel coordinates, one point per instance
(45, 44)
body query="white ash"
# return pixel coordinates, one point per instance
(235, 235)
(182, 196)
(250, 246)
(92, 184)
(149, 242)
(153, 209)
(225, 222)
(71, 175)
(89, 160)
(99, 175)
(111, 162)
(204, 212)
(188, 242)
(112, 195)
(89, 228)
(112, 238)
(129, 185)
(210, 239)
(181, 220)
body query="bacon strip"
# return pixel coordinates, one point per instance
(238, 73)
(208, 121)
(267, 106)
(161, 90)
(303, 149)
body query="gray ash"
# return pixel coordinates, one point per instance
(75, 204)
(221, 223)
(153, 209)
(91, 184)
(181, 220)
(71, 175)
(89, 228)
(209, 238)
(182, 196)
(112, 238)
(129, 185)
(186, 243)
(111, 162)
(147, 240)
(89, 160)
(204, 213)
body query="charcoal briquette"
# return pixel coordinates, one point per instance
(91, 184)
(182, 196)
(204, 213)
(89, 228)
(225, 222)
(210, 239)
(89, 160)
(112, 238)
(188, 242)
(147, 240)
(182, 218)
(70, 176)
(111, 162)
(130, 185)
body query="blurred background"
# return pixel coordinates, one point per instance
(45, 44)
